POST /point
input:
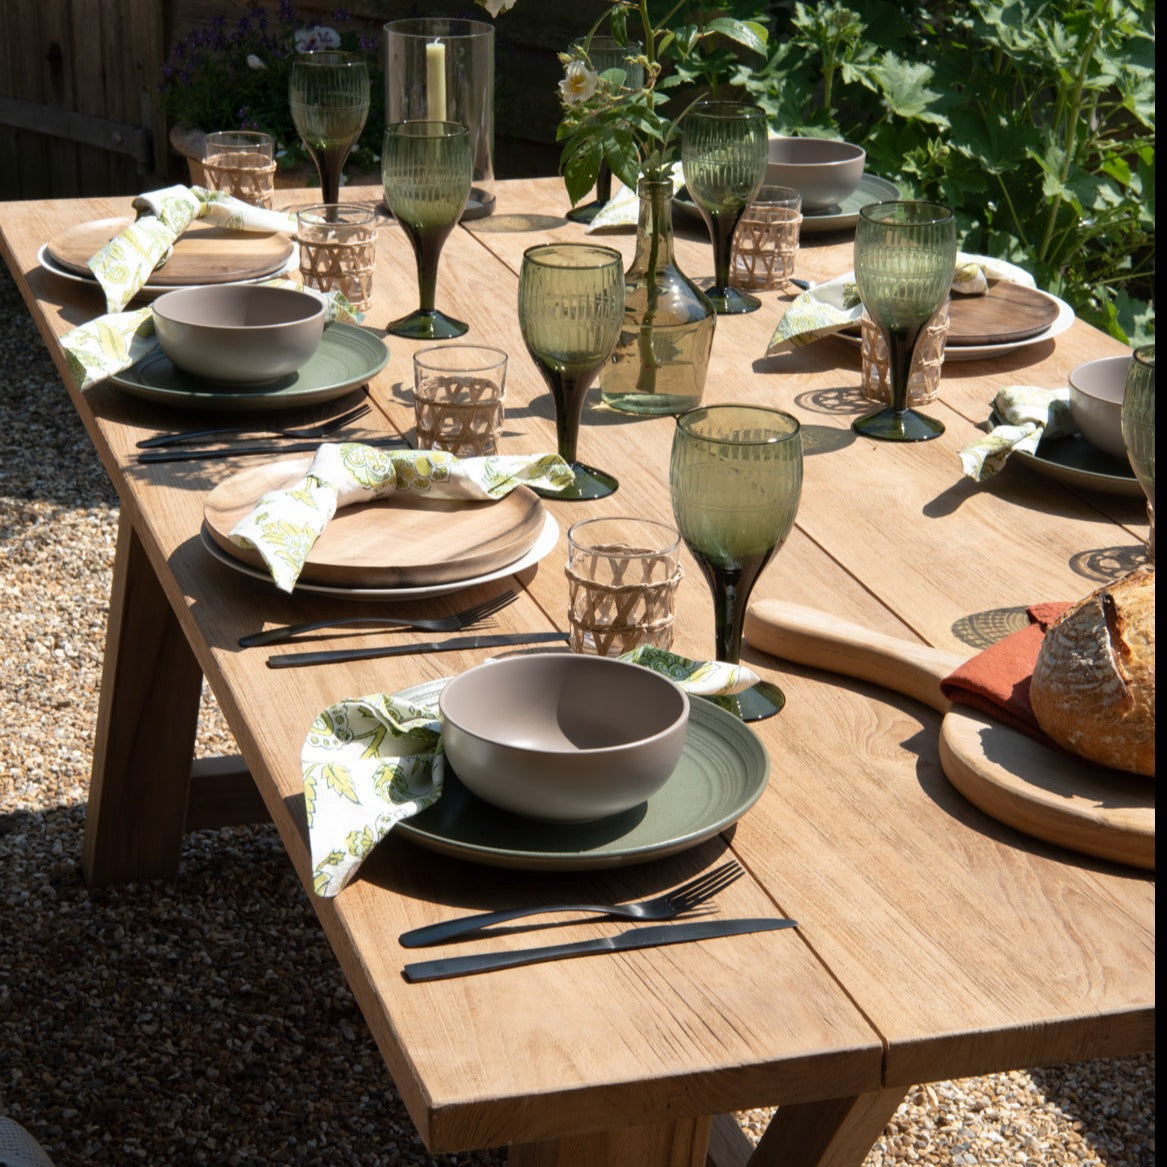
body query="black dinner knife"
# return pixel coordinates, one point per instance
(290, 660)
(186, 455)
(458, 966)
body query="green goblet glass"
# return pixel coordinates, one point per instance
(621, 65)
(1138, 428)
(905, 256)
(571, 306)
(736, 476)
(328, 93)
(426, 169)
(723, 155)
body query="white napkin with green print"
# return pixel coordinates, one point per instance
(830, 307)
(369, 762)
(285, 524)
(124, 264)
(1027, 415)
(114, 342)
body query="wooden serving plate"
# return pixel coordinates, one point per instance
(203, 254)
(405, 540)
(1013, 778)
(1005, 313)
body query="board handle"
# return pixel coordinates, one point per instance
(811, 637)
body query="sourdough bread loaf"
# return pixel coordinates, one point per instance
(1093, 687)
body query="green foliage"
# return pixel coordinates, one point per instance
(235, 76)
(1034, 121)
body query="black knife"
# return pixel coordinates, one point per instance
(458, 966)
(184, 455)
(290, 660)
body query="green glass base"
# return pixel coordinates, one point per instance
(731, 302)
(427, 324)
(889, 426)
(585, 213)
(589, 483)
(757, 702)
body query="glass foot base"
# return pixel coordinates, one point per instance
(888, 426)
(589, 483)
(755, 703)
(427, 324)
(585, 213)
(731, 302)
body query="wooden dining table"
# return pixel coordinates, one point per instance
(933, 940)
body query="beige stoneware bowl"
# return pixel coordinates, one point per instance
(1096, 392)
(825, 171)
(563, 737)
(243, 334)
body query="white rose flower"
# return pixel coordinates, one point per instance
(319, 36)
(253, 62)
(579, 83)
(494, 7)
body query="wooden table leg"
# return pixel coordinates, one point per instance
(837, 1132)
(147, 720)
(678, 1144)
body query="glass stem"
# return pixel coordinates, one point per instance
(901, 347)
(728, 615)
(603, 183)
(567, 415)
(724, 226)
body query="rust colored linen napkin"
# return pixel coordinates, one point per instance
(996, 681)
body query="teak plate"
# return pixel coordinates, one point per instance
(1013, 778)
(1005, 313)
(203, 254)
(405, 540)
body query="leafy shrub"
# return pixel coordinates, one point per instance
(1034, 121)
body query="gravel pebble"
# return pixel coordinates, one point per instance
(198, 1023)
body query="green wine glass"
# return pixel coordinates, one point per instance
(606, 56)
(736, 477)
(426, 169)
(723, 156)
(905, 257)
(1138, 428)
(328, 92)
(571, 307)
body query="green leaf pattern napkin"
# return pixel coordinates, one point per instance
(1028, 414)
(114, 342)
(285, 524)
(123, 266)
(828, 308)
(369, 762)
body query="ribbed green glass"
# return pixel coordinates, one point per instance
(571, 305)
(426, 169)
(328, 93)
(1138, 426)
(905, 256)
(735, 474)
(723, 155)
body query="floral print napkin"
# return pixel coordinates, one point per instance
(285, 524)
(1028, 414)
(828, 308)
(369, 762)
(123, 266)
(114, 342)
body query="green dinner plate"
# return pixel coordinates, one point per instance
(722, 773)
(347, 357)
(870, 190)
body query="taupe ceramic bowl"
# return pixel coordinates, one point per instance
(1096, 391)
(825, 171)
(563, 737)
(243, 334)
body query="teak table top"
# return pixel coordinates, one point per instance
(933, 942)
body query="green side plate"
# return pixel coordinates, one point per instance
(347, 357)
(722, 773)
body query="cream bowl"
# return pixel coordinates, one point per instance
(1096, 392)
(563, 737)
(243, 334)
(824, 171)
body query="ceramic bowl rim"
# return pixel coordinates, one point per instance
(165, 305)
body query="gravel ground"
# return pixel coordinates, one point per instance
(205, 1023)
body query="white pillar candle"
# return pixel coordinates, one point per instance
(435, 81)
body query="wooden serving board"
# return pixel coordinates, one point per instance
(1005, 313)
(1013, 778)
(405, 540)
(203, 254)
